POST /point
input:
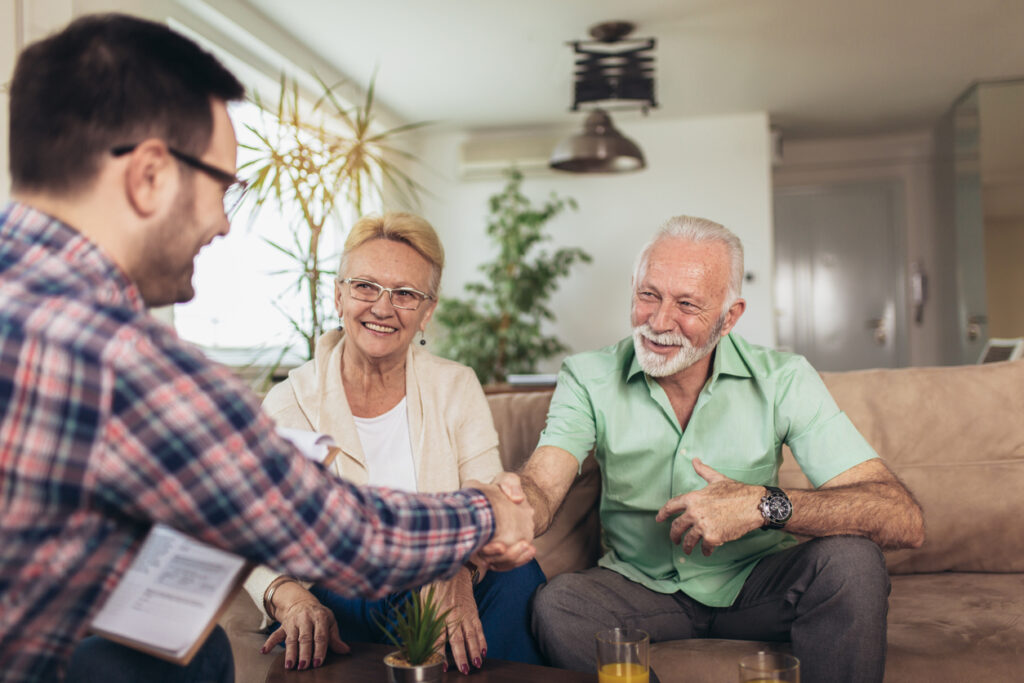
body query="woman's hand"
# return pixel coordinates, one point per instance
(307, 628)
(465, 632)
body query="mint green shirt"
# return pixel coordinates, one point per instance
(755, 401)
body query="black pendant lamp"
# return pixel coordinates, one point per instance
(612, 69)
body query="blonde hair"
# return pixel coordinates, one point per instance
(398, 226)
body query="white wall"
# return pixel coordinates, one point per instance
(717, 168)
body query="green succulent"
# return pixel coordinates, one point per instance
(416, 626)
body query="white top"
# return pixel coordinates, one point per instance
(388, 448)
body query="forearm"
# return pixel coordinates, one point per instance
(882, 511)
(397, 541)
(543, 507)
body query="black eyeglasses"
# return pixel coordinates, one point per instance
(235, 187)
(405, 298)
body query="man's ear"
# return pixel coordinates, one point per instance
(732, 316)
(151, 178)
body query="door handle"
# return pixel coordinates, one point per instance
(974, 324)
(877, 326)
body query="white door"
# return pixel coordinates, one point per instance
(838, 275)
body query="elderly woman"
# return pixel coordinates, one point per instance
(405, 419)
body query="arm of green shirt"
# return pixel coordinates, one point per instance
(571, 423)
(823, 440)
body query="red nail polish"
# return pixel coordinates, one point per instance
(483, 652)
(288, 664)
(316, 662)
(476, 662)
(444, 668)
(302, 664)
(263, 650)
(464, 669)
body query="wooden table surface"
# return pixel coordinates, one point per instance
(366, 663)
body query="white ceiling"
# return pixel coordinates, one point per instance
(818, 67)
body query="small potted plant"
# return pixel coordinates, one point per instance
(417, 630)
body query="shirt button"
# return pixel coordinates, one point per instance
(681, 560)
(682, 451)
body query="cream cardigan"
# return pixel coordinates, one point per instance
(450, 424)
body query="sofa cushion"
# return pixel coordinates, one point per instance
(954, 627)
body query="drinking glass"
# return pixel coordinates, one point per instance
(623, 656)
(769, 667)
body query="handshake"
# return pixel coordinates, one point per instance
(512, 542)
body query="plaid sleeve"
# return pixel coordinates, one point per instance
(189, 446)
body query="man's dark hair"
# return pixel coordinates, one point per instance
(108, 80)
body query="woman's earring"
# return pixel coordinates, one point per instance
(423, 341)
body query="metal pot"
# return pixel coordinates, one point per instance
(401, 672)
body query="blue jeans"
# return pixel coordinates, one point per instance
(502, 600)
(98, 660)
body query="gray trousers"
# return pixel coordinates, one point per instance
(828, 597)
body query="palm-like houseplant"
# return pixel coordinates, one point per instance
(315, 160)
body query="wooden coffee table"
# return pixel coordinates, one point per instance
(366, 663)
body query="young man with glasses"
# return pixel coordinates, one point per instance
(122, 156)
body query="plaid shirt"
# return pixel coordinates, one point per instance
(108, 423)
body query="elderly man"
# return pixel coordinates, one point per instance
(687, 423)
(121, 156)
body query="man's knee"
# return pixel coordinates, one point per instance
(554, 600)
(853, 567)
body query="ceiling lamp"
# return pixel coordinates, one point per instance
(600, 148)
(609, 69)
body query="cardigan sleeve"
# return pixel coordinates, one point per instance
(473, 433)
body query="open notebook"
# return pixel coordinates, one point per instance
(176, 588)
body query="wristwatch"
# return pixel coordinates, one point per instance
(775, 507)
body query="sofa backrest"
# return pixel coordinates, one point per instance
(954, 435)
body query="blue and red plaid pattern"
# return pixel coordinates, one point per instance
(108, 423)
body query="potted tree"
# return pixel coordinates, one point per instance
(417, 630)
(497, 330)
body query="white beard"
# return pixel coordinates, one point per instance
(657, 365)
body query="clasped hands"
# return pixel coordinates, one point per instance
(512, 542)
(722, 511)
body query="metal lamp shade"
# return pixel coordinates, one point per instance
(600, 148)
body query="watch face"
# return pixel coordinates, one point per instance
(779, 508)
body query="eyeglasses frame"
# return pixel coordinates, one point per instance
(381, 289)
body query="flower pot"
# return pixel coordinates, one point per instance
(400, 671)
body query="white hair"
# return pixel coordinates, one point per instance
(697, 230)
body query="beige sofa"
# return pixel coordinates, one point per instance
(954, 435)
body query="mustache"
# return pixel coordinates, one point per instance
(663, 338)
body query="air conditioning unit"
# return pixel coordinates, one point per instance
(487, 157)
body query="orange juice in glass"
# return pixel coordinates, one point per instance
(623, 656)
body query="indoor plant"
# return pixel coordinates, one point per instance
(498, 330)
(416, 628)
(312, 161)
